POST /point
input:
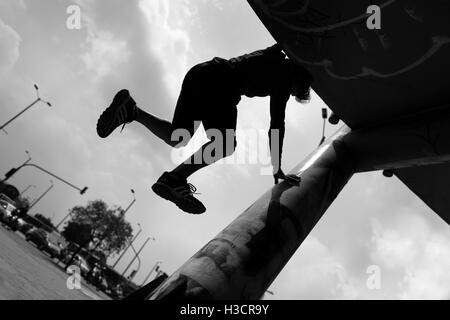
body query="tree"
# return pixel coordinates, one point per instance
(79, 233)
(109, 232)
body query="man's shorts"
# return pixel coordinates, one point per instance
(208, 94)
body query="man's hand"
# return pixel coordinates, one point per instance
(292, 179)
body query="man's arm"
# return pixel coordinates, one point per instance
(277, 129)
(276, 137)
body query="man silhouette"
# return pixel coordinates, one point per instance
(210, 94)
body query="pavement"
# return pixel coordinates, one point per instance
(26, 273)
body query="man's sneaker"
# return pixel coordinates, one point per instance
(121, 111)
(177, 190)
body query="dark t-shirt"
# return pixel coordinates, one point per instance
(260, 73)
(263, 73)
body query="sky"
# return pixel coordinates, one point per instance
(147, 46)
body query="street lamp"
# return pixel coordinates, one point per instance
(137, 254)
(64, 219)
(29, 157)
(151, 271)
(129, 245)
(38, 98)
(27, 188)
(139, 264)
(82, 191)
(132, 202)
(13, 171)
(41, 196)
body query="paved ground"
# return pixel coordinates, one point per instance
(28, 274)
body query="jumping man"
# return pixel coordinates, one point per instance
(210, 94)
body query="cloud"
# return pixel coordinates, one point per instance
(18, 3)
(315, 273)
(170, 44)
(104, 50)
(216, 3)
(104, 53)
(429, 278)
(393, 248)
(9, 47)
(418, 253)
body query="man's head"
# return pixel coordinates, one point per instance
(301, 81)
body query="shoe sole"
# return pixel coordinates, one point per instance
(108, 117)
(166, 193)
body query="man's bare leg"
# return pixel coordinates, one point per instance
(194, 163)
(161, 128)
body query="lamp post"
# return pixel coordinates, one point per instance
(139, 264)
(82, 191)
(137, 255)
(151, 271)
(38, 98)
(64, 219)
(132, 202)
(129, 245)
(27, 188)
(42, 195)
(13, 171)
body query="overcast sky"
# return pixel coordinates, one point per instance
(147, 46)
